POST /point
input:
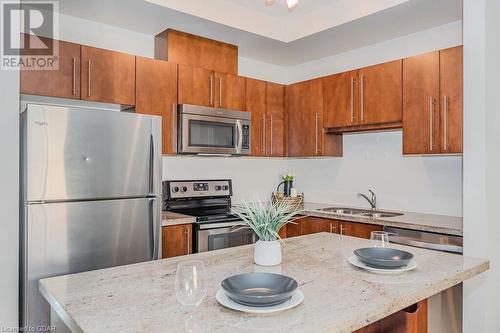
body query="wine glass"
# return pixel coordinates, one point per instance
(191, 282)
(380, 238)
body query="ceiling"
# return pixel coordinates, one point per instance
(315, 29)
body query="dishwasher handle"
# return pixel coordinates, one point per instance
(402, 240)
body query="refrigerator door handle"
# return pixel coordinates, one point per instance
(154, 228)
(151, 164)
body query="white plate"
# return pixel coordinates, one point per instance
(353, 260)
(225, 301)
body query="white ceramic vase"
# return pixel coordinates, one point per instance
(267, 253)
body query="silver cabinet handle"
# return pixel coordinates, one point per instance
(88, 88)
(352, 99)
(445, 122)
(342, 229)
(362, 97)
(431, 130)
(211, 90)
(263, 141)
(317, 133)
(331, 228)
(271, 134)
(174, 122)
(74, 77)
(220, 92)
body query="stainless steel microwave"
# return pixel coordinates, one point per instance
(209, 131)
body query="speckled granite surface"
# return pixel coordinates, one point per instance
(171, 218)
(338, 296)
(450, 225)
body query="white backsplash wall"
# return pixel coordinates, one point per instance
(253, 178)
(374, 160)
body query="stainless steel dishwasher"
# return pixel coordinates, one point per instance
(444, 309)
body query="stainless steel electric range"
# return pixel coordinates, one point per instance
(209, 201)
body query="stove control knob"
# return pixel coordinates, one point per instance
(184, 189)
(175, 189)
(218, 188)
(225, 187)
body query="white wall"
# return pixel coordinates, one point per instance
(374, 160)
(441, 37)
(253, 178)
(482, 161)
(9, 197)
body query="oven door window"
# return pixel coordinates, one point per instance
(230, 239)
(211, 134)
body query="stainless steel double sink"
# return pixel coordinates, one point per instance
(359, 212)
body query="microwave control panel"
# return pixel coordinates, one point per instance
(246, 137)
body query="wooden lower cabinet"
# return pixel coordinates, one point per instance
(177, 240)
(355, 229)
(413, 319)
(311, 225)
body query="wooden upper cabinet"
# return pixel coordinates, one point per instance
(381, 94)
(156, 94)
(186, 49)
(229, 92)
(196, 86)
(306, 135)
(256, 104)
(276, 118)
(340, 99)
(63, 82)
(421, 104)
(107, 76)
(451, 79)
(177, 240)
(305, 112)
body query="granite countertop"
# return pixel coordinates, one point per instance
(450, 225)
(171, 218)
(338, 296)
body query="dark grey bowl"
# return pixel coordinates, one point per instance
(383, 257)
(259, 289)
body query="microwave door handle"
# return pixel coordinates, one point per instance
(239, 137)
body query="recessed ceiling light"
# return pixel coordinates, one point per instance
(291, 4)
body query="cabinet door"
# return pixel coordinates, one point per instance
(355, 229)
(410, 320)
(381, 93)
(305, 112)
(341, 100)
(312, 225)
(256, 104)
(275, 110)
(421, 104)
(177, 240)
(108, 76)
(156, 94)
(196, 86)
(63, 82)
(230, 92)
(294, 228)
(451, 72)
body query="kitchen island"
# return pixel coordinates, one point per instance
(338, 296)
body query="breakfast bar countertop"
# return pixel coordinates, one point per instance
(338, 296)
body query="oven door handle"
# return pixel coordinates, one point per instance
(239, 136)
(221, 225)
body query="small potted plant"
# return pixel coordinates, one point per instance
(287, 184)
(266, 220)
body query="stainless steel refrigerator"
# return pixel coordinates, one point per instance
(90, 195)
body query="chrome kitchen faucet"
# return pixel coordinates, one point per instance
(372, 201)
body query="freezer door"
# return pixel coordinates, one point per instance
(73, 154)
(63, 238)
